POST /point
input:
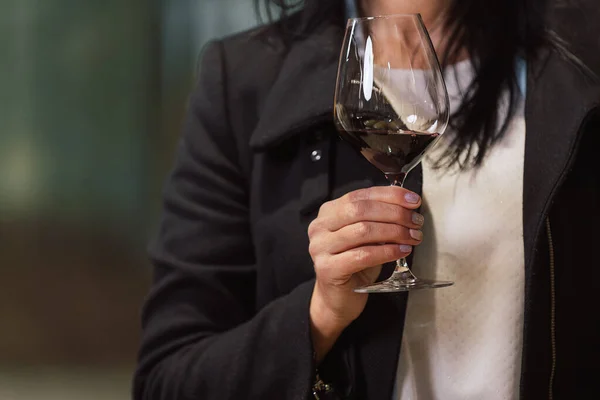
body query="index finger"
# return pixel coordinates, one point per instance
(386, 194)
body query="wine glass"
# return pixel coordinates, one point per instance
(391, 105)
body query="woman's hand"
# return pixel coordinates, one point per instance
(349, 240)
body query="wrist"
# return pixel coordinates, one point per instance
(325, 326)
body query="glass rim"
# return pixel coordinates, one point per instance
(384, 16)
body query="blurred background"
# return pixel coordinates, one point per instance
(92, 94)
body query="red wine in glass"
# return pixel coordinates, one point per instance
(387, 143)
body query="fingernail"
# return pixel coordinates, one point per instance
(405, 248)
(415, 234)
(418, 219)
(412, 197)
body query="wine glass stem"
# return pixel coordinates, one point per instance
(402, 272)
(396, 179)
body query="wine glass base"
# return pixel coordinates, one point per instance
(394, 286)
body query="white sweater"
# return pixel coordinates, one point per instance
(465, 342)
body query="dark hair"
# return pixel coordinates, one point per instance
(494, 33)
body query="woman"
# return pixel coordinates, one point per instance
(267, 225)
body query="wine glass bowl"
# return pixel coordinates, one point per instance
(391, 105)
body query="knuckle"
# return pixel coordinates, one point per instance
(397, 213)
(313, 228)
(313, 250)
(356, 210)
(358, 195)
(362, 229)
(399, 232)
(362, 256)
(404, 215)
(353, 196)
(325, 208)
(391, 252)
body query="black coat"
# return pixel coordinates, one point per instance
(227, 316)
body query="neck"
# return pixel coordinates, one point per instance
(433, 13)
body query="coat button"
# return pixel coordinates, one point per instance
(316, 155)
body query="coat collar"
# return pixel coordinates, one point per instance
(303, 93)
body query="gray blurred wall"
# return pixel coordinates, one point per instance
(92, 94)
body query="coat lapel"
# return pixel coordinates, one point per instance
(559, 98)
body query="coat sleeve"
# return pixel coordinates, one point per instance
(202, 337)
